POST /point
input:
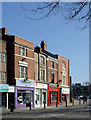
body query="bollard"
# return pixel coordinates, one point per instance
(44, 104)
(79, 102)
(56, 103)
(11, 107)
(73, 102)
(30, 106)
(66, 103)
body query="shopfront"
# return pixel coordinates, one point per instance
(53, 94)
(40, 94)
(24, 93)
(65, 95)
(3, 95)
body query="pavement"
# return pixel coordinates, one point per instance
(4, 111)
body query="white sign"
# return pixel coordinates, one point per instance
(11, 89)
(65, 91)
(40, 85)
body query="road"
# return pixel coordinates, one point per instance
(80, 112)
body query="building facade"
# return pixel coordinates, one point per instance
(20, 69)
(64, 79)
(3, 72)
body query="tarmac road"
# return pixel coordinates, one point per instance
(80, 112)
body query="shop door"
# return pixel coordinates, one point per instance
(4, 99)
(28, 99)
(43, 97)
(50, 97)
(11, 99)
(40, 97)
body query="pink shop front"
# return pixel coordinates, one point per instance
(24, 93)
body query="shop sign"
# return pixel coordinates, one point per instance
(65, 91)
(40, 85)
(25, 83)
(3, 88)
(11, 89)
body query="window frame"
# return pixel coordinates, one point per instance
(4, 60)
(4, 73)
(42, 75)
(52, 64)
(24, 72)
(0, 76)
(42, 60)
(52, 78)
(63, 65)
(63, 82)
(22, 53)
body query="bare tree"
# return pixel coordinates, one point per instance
(78, 11)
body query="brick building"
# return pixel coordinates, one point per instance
(64, 78)
(3, 72)
(20, 69)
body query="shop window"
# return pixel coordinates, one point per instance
(0, 76)
(25, 97)
(54, 96)
(0, 57)
(63, 65)
(4, 57)
(4, 76)
(22, 51)
(52, 64)
(42, 75)
(63, 80)
(42, 60)
(23, 72)
(52, 78)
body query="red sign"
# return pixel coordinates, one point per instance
(60, 80)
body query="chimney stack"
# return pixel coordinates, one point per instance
(43, 45)
(3, 30)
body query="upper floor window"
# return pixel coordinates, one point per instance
(0, 57)
(22, 51)
(23, 72)
(42, 60)
(4, 76)
(42, 75)
(0, 76)
(63, 80)
(52, 78)
(63, 65)
(52, 64)
(4, 57)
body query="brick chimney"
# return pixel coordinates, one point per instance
(3, 30)
(43, 45)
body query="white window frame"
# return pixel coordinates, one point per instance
(63, 65)
(41, 59)
(22, 53)
(25, 72)
(0, 56)
(42, 75)
(63, 81)
(52, 64)
(0, 76)
(4, 73)
(4, 57)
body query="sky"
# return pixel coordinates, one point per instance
(61, 37)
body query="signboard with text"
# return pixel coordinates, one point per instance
(26, 83)
(65, 91)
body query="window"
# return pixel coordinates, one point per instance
(22, 51)
(42, 60)
(63, 80)
(0, 76)
(42, 75)
(52, 78)
(23, 72)
(4, 76)
(0, 57)
(52, 64)
(63, 65)
(4, 57)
